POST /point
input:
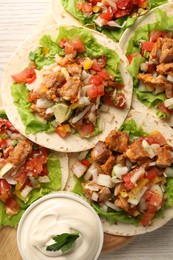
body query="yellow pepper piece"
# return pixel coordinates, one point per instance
(87, 64)
(133, 193)
(96, 9)
(45, 50)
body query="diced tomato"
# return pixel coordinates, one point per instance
(121, 13)
(108, 15)
(102, 61)
(69, 47)
(147, 46)
(103, 74)
(124, 4)
(85, 162)
(5, 188)
(152, 173)
(44, 171)
(32, 96)
(63, 130)
(96, 80)
(78, 44)
(25, 76)
(128, 184)
(164, 110)
(92, 92)
(94, 2)
(12, 206)
(3, 143)
(116, 85)
(156, 138)
(86, 129)
(147, 218)
(85, 7)
(151, 68)
(35, 166)
(107, 98)
(131, 56)
(154, 35)
(100, 90)
(120, 100)
(41, 154)
(153, 199)
(62, 42)
(95, 65)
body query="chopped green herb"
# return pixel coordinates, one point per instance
(63, 242)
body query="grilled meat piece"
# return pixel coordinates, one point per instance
(117, 141)
(165, 157)
(157, 83)
(100, 153)
(69, 91)
(167, 51)
(156, 51)
(40, 112)
(104, 194)
(108, 165)
(165, 68)
(136, 153)
(20, 152)
(54, 80)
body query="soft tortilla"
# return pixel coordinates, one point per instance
(149, 123)
(128, 34)
(110, 120)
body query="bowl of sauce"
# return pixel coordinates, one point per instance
(61, 226)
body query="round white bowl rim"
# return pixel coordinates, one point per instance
(62, 194)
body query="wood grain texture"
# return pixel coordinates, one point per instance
(18, 20)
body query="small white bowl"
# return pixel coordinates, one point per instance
(57, 213)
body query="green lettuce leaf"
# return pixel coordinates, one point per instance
(115, 34)
(20, 98)
(54, 173)
(169, 192)
(163, 23)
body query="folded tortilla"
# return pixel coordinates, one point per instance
(148, 123)
(73, 143)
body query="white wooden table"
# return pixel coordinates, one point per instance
(20, 18)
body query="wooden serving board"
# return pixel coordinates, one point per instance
(8, 241)
(9, 249)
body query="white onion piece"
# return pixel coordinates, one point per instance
(137, 175)
(170, 78)
(148, 149)
(135, 200)
(80, 115)
(169, 103)
(168, 172)
(119, 170)
(43, 179)
(26, 191)
(78, 168)
(112, 206)
(104, 180)
(92, 186)
(44, 103)
(83, 155)
(144, 66)
(94, 196)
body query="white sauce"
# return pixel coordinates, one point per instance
(56, 216)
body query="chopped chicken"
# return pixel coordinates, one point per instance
(100, 153)
(117, 141)
(167, 51)
(136, 153)
(104, 194)
(165, 68)
(165, 157)
(108, 165)
(69, 91)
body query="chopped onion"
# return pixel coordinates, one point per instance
(83, 155)
(92, 118)
(104, 180)
(104, 108)
(44, 103)
(158, 190)
(26, 191)
(78, 168)
(119, 170)
(87, 175)
(94, 196)
(137, 175)
(112, 206)
(84, 101)
(136, 199)
(92, 186)
(169, 103)
(99, 21)
(168, 172)
(144, 66)
(43, 179)
(114, 24)
(80, 115)
(170, 78)
(148, 149)
(104, 207)
(111, 3)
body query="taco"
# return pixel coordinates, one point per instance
(27, 172)
(71, 91)
(107, 16)
(148, 47)
(128, 178)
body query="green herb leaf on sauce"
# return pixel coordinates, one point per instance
(63, 242)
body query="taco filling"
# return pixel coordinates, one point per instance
(126, 176)
(109, 16)
(27, 172)
(69, 93)
(151, 59)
